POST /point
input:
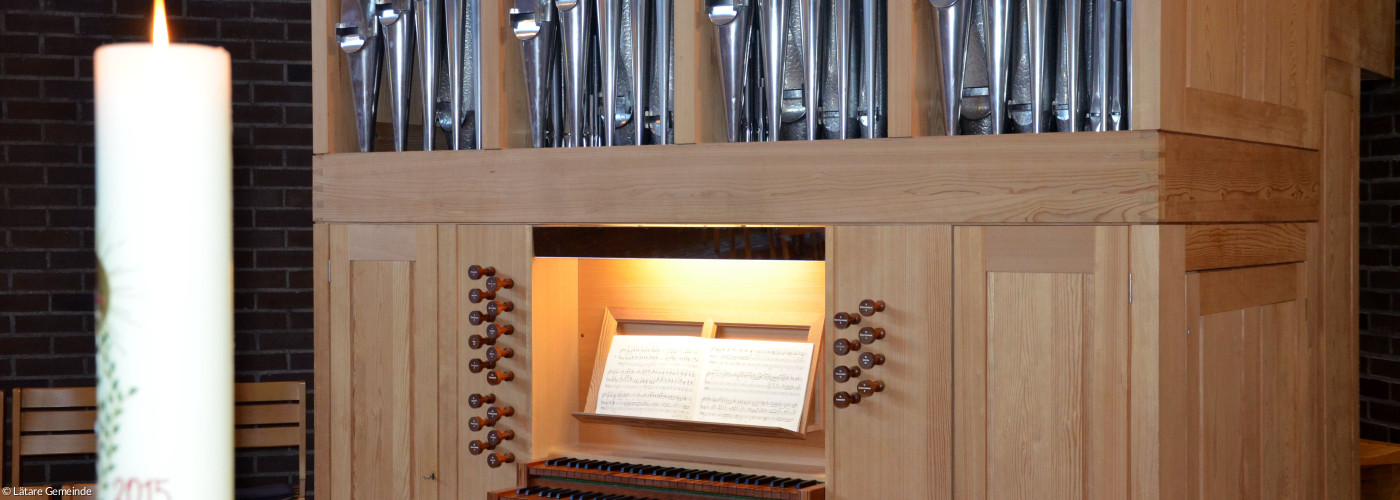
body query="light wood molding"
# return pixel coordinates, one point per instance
(1362, 33)
(1239, 245)
(1108, 177)
(1206, 179)
(1338, 276)
(382, 242)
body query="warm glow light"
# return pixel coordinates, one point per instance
(160, 35)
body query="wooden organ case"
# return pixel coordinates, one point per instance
(1167, 312)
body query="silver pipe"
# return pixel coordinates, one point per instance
(997, 14)
(396, 20)
(358, 36)
(573, 26)
(1070, 63)
(774, 17)
(954, 19)
(637, 18)
(870, 38)
(1116, 67)
(811, 59)
(732, 24)
(1037, 29)
(661, 53)
(428, 21)
(608, 17)
(535, 30)
(455, 12)
(1099, 92)
(843, 66)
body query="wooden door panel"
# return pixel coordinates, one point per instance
(1253, 432)
(897, 443)
(1041, 371)
(1241, 69)
(383, 301)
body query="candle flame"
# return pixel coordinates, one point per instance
(160, 35)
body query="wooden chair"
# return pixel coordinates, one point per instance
(272, 415)
(1380, 470)
(51, 422)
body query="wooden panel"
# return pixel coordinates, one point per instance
(1158, 352)
(448, 420)
(1237, 245)
(332, 119)
(1339, 287)
(58, 444)
(1108, 177)
(1205, 179)
(266, 414)
(1362, 34)
(1254, 430)
(59, 420)
(383, 408)
(266, 437)
(699, 99)
(1243, 69)
(556, 356)
(321, 356)
(510, 251)
(1247, 287)
(1042, 370)
(910, 268)
(67, 397)
(255, 392)
(1040, 249)
(382, 242)
(912, 108)
(739, 289)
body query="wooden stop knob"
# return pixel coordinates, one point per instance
(843, 399)
(477, 400)
(869, 307)
(478, 423)
(870, 360)
(496, 412)
(495, 377)
(476, 365)
(477, 272)
(477, 446)
(498, 329)
(844, 373)
(494, 284)
(869, 335)
(496, 459)
(477, 318)
(844, 320)
(476, 341)
(495, 437)
(868, 388)
(496, 353)
(477, 295)
(843, 347)
(496, 307)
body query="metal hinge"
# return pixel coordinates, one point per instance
(328, 270)
(1130, 288)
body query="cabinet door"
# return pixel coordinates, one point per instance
(507, 249)
(382, 366)
(896, 443)
(1041, 362)
(1254, 428)
(1240, 69)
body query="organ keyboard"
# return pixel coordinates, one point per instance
(583, 479)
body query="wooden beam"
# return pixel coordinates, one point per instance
(1206, 179)
(1240, 245)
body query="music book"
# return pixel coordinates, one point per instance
(749, 382)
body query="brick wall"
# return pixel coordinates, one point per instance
(1380, 261)
(46, 193)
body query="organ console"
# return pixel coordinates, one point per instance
(577, 478)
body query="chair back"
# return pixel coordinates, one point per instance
(51, 422)
(272, 415)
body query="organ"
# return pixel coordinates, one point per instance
(1163, 312)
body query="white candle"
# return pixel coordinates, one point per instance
(164, 248)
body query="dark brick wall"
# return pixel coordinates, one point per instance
(46, 193)
(1380, 261)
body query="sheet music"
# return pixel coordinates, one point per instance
(747, 382)
(755, 382)
(651, 376)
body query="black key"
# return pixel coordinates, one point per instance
(650, 470)
(525, 491)
(808, 483)
(767, 480)
(787, 483)
(724, 477)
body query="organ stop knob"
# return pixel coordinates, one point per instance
(869, 307)
(495, 437)
(498, 329)
(496, 307)
(476, 365)
(477, 446)
(477, 318)
(870, 360)
(496, 353)
(496, 412)
(844, 373)
(844, 320)
(843, 399)
(868, 388)
(869, 335)
(495, 284)
(496, 459)
(477, 295)
(476, 272)
(477, 341)
(495, 377)
(843, 347)
(477, 400)
(478, 423)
